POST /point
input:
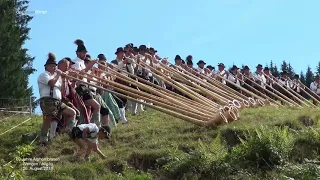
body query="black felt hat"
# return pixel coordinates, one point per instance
(119, 50)
(51, 59)
(210, 67)
(246, 68)
(69, 59)
(221, 64)
(177, 57)
(266, 69)
(80, 44)
(102, 57)
(201, 62)
(234, 67)
(259, 66)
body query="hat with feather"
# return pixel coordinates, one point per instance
(80, 44)
(51, 59)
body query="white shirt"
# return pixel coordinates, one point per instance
(44, 88)
(286, 82)
(147, 61)
(314, 87)
(200, 70)
(260, 77)
(79, 64)
(223, 72)
(121, 66)
(233, 78)
(93, 132)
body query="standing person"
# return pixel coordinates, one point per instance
(235, 77)
(200, 68)
(82, 88)
(49, 83)
(68, 96)
(125, 64)
(113, 102)
(247, 79)
(223, 73)
(260, 79)
(315, 87)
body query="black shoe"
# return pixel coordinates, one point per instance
(43, 144)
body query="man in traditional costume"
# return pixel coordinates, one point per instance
(49, 83)
(315, 86)
(82, 88)
(223, 73)
(259, 79)
(235, 77)
(201, 65)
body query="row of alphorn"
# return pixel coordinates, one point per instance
(205, 100)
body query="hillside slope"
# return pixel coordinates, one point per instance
(274, 143)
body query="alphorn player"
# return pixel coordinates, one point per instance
(297, 85)
(49, 83)
(201, 65)
(125, 64)
(209, 71)
(67, 95)
(285, 81)
(269, 81)
(114, 103)
(259, 79)
(247, 79)
(235, 77)
(222, 72)
(104, 110)
(315, 86)
(82, 88)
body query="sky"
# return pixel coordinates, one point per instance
(230, 31)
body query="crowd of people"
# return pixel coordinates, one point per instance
(88, 113)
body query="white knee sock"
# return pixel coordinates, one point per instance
(53, 129)
(123, 115)
(134, 108)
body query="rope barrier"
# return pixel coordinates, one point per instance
(15, 126)
(10, 116)
(24, 112)
(29, 144)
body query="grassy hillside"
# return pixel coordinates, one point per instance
(265, 143)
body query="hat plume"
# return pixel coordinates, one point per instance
(79, 42)
(51, 57)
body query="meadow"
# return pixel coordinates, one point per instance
(265, 143)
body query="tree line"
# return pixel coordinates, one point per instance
(306, 78)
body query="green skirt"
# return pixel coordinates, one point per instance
(112, 121)
(112, 104)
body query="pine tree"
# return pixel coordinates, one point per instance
(318, 68)
(284, 66)
(271, 67)
(290, 70)
(275, 71)
(302, 78)
(309, 77)
(16, 64)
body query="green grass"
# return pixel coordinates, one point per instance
(265, 143)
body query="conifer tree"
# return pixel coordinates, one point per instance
(16, 63)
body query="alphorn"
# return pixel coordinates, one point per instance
(215, 120)
(303, 89)
(286, 89)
